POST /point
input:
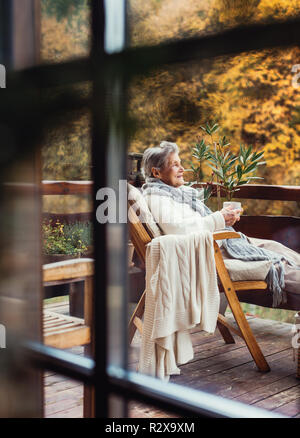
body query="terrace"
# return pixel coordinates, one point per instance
(227, 371)
(224, 370)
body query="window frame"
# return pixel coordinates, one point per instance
(106, 379)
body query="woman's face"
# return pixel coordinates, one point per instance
(172, 173)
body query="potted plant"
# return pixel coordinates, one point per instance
(230, 171)
(66, 241)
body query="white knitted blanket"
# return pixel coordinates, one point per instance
(181, 292)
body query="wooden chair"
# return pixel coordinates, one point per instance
(141, 236)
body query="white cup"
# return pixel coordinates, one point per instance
(233, 204)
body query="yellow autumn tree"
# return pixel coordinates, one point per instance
(65, 34)
(250, 95)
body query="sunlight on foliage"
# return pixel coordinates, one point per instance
(250, 95)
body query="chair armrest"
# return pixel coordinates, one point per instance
(68, 269)
(220, 235)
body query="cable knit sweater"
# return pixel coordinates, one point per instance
(181, 292)
(175, 218)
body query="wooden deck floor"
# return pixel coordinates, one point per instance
(224, 370)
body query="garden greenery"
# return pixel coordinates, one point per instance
(71, 239)
(229, 170)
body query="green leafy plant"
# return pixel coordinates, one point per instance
(61, 8)
(71, 239)
(230, 171)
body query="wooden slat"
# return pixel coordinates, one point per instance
(63, 281)
(67, 187)
(138, 235)
(54, 306)
(64, 331)
(55, 323)
(68, 269)
(138, 312)
(220, 235)
(48, 318)
(227, 324)
(61, 326)
(77, 336)
(138, 323)
(250, 285)
(50, 313)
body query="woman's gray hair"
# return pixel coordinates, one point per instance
(157, 157)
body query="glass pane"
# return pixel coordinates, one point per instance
(65, 29)
(158, 21)
(254, 100)
(66, 175)
(67, 225)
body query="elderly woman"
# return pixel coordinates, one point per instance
(177, 209)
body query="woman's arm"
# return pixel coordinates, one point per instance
(176, 218)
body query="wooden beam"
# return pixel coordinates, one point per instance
(227, 324)
(67, 338)
(67, 187)
(138, 313)
(220, 235)
(250, 285)
(68, 269)
(263, 191)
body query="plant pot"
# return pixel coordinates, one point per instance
(53, 258)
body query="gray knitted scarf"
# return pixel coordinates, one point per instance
(240, 248)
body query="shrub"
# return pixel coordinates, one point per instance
(72, 239)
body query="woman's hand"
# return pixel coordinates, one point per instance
(231, 216)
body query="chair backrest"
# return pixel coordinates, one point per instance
(139, 235)
(142, 226)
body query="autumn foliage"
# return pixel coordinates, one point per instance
(250, 95)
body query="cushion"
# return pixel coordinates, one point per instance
(138, 203)
(241, 271)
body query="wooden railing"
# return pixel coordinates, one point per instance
(284, 229)
(67, 187)
(265, 191)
